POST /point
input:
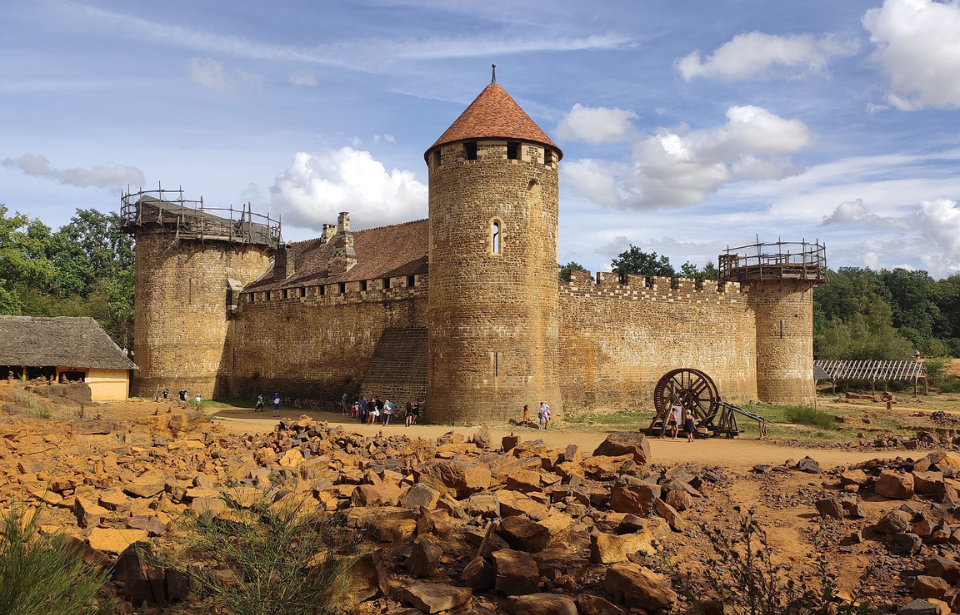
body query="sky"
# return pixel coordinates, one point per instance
(686, 128)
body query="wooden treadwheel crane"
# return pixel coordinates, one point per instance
(695, 391)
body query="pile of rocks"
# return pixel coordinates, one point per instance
(453, 521)
(923, 531)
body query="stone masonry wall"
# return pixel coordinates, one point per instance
(493, 316)
(314, 347)
(617, 340)
(181, 317)
(784, 311)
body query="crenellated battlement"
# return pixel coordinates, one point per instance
(342, 293)
(649, 288)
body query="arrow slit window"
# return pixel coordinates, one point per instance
(495, 232)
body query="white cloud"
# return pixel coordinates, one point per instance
(678, 167)
(362, 54)
(940, 220)
(847, 212)
(317, 187)
(305, 78)
(211, 74)
(755, 53)
(918, 47)
(385, 137)
(97, 176)
(596, 124)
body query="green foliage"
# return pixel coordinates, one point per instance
(743, 576)
(83, 269)
(805, 415)
(44, 575)
(272, 558)
(566, 269)
(635, 261)
(936, 366)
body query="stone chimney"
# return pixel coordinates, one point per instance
(329, 230)
(344, 257)
(284, 263)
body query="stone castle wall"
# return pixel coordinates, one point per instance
(617, 340)
(494, 317)
(310, 346)
(181, 320)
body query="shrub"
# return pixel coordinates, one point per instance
(742, 575)
(43, 575)
(805, 415)
(270, 558)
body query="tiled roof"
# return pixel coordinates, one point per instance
(63, 341)
(494, 114)
(382, 252)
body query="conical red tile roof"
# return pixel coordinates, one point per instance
(494, 115)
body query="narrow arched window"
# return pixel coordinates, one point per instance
(495, 237)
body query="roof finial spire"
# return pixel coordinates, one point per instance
(494, 78)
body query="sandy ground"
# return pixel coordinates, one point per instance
(736, 454)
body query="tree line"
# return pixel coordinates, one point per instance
(858, 314)
(83, 269)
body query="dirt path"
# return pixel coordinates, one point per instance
(739, 454)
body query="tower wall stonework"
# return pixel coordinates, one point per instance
(181, 320)
(617, 340)
(784, 332)
(494, 318)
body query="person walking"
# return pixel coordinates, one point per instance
(259, 406)
(197, 400)
(526, 416)
(387, 412)
(364, 408)
(276, 404)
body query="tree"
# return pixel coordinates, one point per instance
(911, 300)
(692, 272)
(566, 269)
(635, 261)
(24, 245)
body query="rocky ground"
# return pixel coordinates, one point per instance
(481, 525)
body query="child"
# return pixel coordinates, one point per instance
(259, 406)
(526, 415)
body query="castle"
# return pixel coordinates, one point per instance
(465, 309)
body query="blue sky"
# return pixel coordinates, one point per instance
(684, 130)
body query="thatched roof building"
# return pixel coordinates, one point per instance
(71, 348)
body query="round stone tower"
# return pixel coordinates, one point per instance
(191, 264)
(780, 278)
(493, 289)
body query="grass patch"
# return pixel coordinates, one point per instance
(621, 418)
(805, 415)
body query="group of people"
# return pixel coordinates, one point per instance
(543, 416)
(276, 404)
(377, 410)
(182, 396)
(677, 414)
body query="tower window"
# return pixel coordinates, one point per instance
(253, 297)
(411, 280)
(286, 293)
(495, 237)
(323, 291)
(547, 155)
(343, 287)
(268, 295)
(513, 151)
(363, 286)
(386, 283)
(303, 291)
(470, 150)
(436, 157)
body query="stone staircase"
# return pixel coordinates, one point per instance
(398, 369)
